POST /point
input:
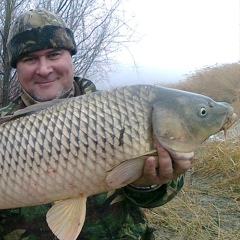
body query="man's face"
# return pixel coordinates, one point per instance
(46, 74)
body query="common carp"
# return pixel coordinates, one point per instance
(64, 151)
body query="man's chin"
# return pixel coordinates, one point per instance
(49, 97)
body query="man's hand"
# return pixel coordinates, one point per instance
(162, 169)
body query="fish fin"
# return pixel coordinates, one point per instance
(29, 110)
(126, 172)
(66, 217)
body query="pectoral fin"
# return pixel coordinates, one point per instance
(66, 218)
(127, 172)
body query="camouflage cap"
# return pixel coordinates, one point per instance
(37, 30)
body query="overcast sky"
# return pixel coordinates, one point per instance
(178, 37)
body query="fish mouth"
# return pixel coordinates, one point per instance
(232, 120)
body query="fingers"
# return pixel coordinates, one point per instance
(157, 170)
(165, 170)
(181, 166)
(162, 169)
(150, 168)
(170, 168)
(149, 175)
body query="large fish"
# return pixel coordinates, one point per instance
(65, 151)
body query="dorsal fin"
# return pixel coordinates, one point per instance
(29, 110)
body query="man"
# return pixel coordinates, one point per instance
(41, 48)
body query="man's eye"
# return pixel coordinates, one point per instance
(29, 59)
(54, 55)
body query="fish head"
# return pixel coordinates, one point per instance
(184, 120)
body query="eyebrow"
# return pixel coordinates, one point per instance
(32, 54)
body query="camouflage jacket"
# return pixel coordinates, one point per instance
(112, 215)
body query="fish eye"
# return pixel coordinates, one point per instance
(202, 111)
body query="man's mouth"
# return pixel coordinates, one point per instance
(43, 83)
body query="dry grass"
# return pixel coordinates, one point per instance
(222, 83)
(209, 205)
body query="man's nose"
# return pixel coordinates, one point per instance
(44, 67)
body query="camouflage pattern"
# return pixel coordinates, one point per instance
(85, 86)
(37, 30)
(113, 215)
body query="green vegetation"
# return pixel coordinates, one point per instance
(209, 205)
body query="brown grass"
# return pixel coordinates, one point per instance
(222, 83)
(208, 207)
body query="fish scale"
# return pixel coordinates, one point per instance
(70, 149)
(47, 137)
